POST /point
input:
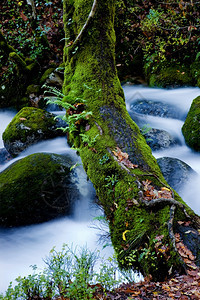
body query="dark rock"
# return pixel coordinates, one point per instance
(156, 108)
(176, 172)
(37, 188)
(159, 139)
(4, 156)
(29, 126)
(191, 239)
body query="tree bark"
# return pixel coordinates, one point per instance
(146, 217)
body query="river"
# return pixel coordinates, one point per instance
(25, 246)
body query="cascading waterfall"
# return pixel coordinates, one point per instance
(25, 246)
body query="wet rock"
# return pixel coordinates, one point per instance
(36, 189)
(156, 108)
(4, 156)
(28, 127)
(176, 172)
(159, 139)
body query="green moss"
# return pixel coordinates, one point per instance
(46, 75)
(31, 118)
(18, 60)
(29, 126)
(171, 76)
(33, 89)
(31, 189)
(191, 128)
(195, 71)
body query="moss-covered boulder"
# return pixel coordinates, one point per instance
(36, 188)
(195, 71)
(170, 76)
(29, 126)
(191, 127)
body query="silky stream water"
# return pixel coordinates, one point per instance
(22, 247)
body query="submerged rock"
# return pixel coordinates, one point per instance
(159, 139)
(176, 172)
(37, 188)
(29, 126)
(191, 127)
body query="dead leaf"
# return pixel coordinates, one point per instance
(159, 237)
(123, 158)
(124, 234)
(192, 267)
(22, 15)
(180, 222)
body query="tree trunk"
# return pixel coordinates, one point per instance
(149, 222)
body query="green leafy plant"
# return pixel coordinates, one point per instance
(73, 119)
(90, 141)
(145, 129)
(69, 273)
(111, 182)
(127, 260)
(104, 159)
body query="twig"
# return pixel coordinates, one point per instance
(166, 201)
(171, 234)
(170, 225)
(99, 127)
(91, 15)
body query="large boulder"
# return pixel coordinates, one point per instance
(29, 126)
(176, 172)
(37, 188)
(191, 127)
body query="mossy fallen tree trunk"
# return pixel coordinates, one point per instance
(149, 222)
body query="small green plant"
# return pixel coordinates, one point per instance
(104, 159)
(145, 129)
(129, 259)
(111, 182)
(69, 273)
(88, 140)
(73, 119)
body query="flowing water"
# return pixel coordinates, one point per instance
(25, 246)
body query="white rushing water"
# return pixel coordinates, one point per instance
(26, 246)
(5, 118)
(22, 247)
